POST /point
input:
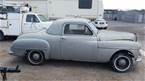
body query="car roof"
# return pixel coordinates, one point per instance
(55, 27)
(73, 20)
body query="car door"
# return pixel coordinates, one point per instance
(78, 43)
(30, 24)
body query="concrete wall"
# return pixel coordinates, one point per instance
(143, 18)
(110, 14)
(133, 16)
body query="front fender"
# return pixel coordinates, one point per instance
(130, 45)
(108, 48)
(20, 46)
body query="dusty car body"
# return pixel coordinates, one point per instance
(79, 40)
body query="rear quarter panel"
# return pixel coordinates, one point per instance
(19, 47)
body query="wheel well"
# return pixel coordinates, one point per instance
(123, 51)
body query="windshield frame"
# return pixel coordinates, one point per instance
(93, 26)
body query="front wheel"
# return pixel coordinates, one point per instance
(35, 57)
(121, 63)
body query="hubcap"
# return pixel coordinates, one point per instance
(122, 63)
(36, 56)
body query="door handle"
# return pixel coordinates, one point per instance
(25, 23)
(62, 38)
(10, 24)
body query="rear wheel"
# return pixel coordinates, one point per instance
(35, 57)
(121, 62)
(1, 36)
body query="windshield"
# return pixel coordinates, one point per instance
(43, 18)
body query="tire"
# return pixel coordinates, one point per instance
(105, 28)
(1, 36)
(121, 63)
(35, 57)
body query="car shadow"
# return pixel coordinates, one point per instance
(67, 64)
(10, 38)
(63, 64)
(59, 63)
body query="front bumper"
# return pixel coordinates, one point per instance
(139, 58)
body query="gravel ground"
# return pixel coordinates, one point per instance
(58, 70)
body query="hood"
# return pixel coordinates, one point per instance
(106, 35)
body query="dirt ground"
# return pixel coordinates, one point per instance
(58, 70)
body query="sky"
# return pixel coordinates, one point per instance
(124, 4)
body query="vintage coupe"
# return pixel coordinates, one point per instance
(79, 40)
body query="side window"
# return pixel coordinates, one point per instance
(10, 9)
(85, 4)
(3, 13)
(32, 18)
(77, 29)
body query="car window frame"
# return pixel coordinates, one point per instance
(33, 16)
(63, 27)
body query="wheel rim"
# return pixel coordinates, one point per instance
(35, 57)
(122, 63)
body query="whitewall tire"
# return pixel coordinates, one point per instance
(35, 57)
(121, 62)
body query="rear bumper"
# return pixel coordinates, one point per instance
(11, 52)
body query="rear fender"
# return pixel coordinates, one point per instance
(21, 46)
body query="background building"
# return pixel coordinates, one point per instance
(91, 9)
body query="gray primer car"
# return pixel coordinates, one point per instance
(79, 40)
